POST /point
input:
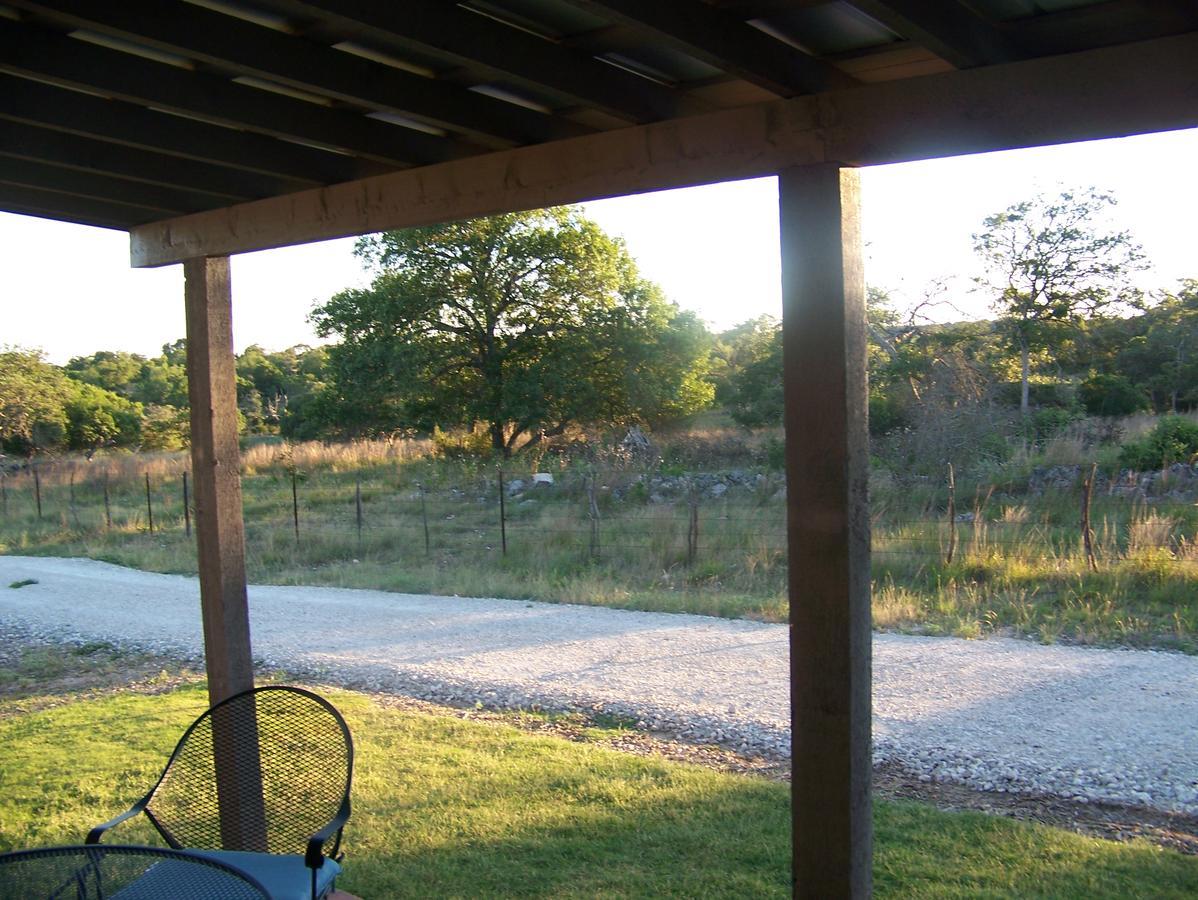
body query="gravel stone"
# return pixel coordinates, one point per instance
(1002, 715)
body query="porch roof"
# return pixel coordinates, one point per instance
(211, 127)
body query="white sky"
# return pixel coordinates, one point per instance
(68, 289)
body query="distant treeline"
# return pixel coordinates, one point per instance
(1101, 366)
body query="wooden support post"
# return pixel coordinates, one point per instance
(823, 322)
(220, 542)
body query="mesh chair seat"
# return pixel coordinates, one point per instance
(111, 872)
(265, 773)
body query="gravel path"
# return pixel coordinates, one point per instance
(998, 714)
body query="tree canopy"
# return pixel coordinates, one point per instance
(1050, 262)
(526, 323)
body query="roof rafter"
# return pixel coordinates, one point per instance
(70, 151)
(46, 55)
(68, 208)
(727, 42)
(946, 27)
(209, 36)
(472, 38)
(169, 200)
(126, 123)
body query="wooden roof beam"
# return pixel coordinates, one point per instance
(470, 38)
(727, 42)
(57, 148)
(58, 108)
(209, 36)
(37, 52)
(67, 208)
(948, 28)
(1129, 89)
(1102, 24)
(169, 201)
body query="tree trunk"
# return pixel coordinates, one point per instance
(498, 440)
(1025, 371)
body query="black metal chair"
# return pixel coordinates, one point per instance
(110, 872)
(261, 782)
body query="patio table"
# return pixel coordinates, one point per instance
(116, 872)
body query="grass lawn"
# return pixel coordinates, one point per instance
(445, 807)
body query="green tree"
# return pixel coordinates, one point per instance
(112, 370)
(98, 418)
(1161, 356)
(33, 395)
(526, 322)
(1051, 262)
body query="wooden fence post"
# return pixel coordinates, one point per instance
(692, 525)
(593, 516)
(295, 504)
(1087, 531)
(149, 505)
(952, 517)
(502, 514)
(186, 507)
(358, 508)
(424, 519)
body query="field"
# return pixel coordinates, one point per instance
(518, 804)
(699, 530)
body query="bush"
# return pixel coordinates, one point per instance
(1048, 422)
(473, 444)
(1174, 439)
(1111, 395)
(1039, 393)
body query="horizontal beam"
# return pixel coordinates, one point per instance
(250, 49)
(1131, 89)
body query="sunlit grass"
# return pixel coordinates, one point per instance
(450, 808)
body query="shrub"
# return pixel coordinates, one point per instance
(473, 444)
(1174, 439)
(1111, 395)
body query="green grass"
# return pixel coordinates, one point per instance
(1019, 569)
(451, 808)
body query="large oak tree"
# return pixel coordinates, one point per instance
(526, 322)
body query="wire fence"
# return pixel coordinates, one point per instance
(714, 521)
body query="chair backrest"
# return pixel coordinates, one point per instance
(96, 871)
(281, 759)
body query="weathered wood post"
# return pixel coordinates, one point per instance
(149, 506)
(823, 334)
(1087, 530)
(952, 517)
(220, 542)
(502, 514)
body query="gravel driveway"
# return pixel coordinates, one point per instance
(1090, 724)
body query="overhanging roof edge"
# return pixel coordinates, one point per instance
(1110, 92)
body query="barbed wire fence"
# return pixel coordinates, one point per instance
(708, 521)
